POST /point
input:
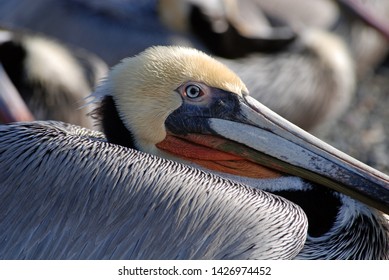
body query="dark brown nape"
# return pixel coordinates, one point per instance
(113, 127)
(313, 201)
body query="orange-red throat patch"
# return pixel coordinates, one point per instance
(194, 148)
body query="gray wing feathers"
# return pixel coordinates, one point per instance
(65, 193)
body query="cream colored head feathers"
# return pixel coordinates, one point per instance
(143, 87)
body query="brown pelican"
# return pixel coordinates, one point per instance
(50, 78)
(180, 104)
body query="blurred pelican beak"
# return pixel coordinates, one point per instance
(12, 106)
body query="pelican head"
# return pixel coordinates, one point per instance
(147, 88)
(179, 103)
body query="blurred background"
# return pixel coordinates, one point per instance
(322, 64)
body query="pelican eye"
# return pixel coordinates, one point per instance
(193, 91)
